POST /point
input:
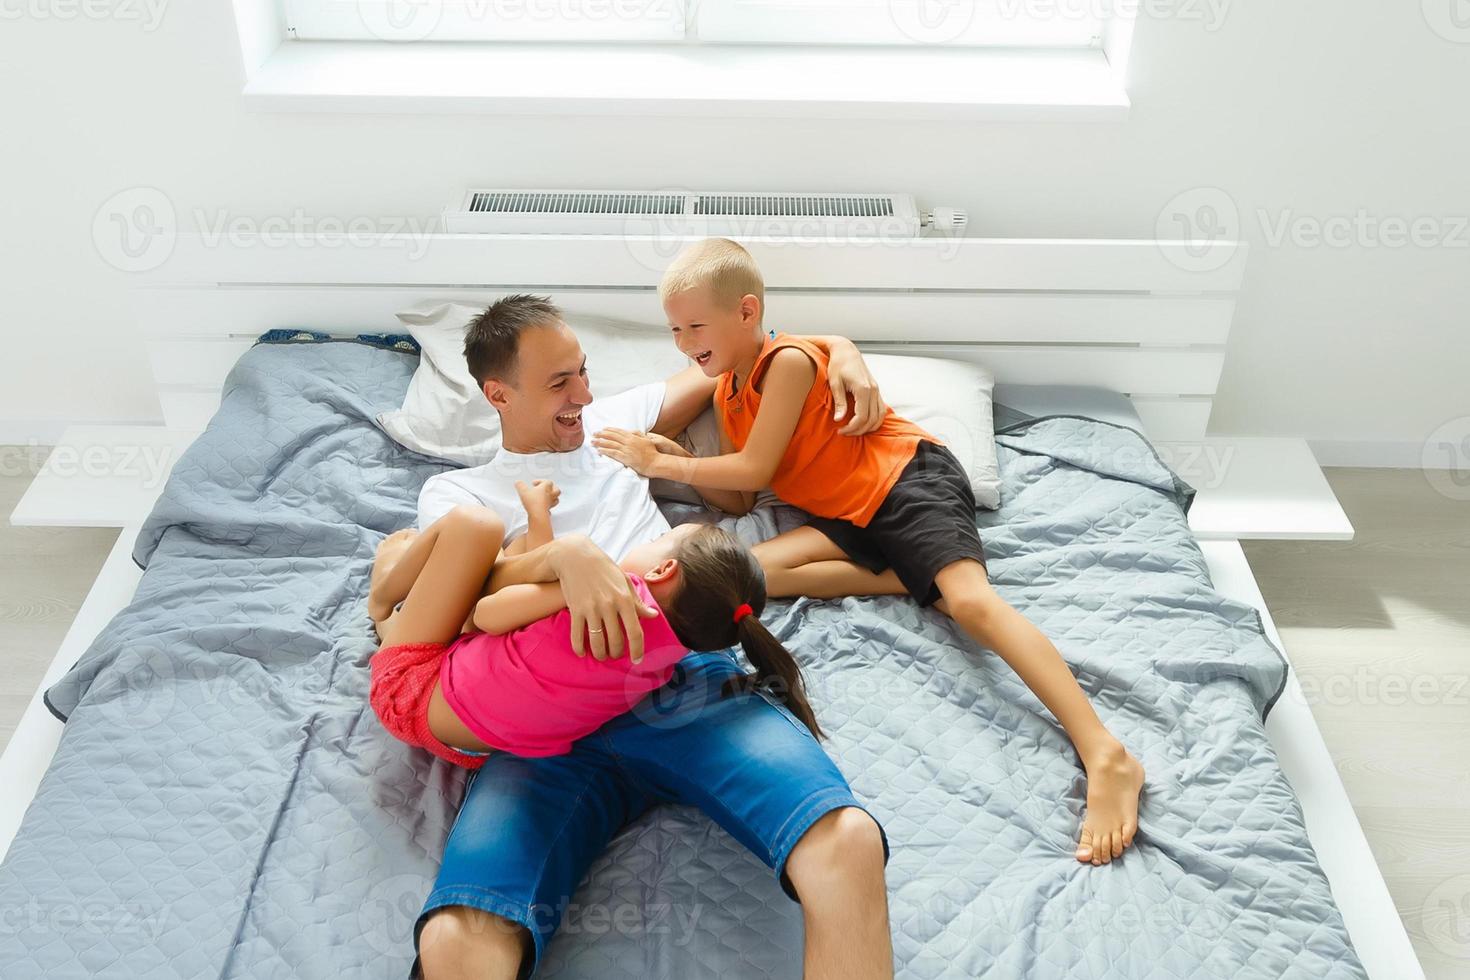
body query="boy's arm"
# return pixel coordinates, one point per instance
(688, 393)
(516, 606)
(743, 499)
(848, 377)
(746, 500)
(788, 380)
(735, 502)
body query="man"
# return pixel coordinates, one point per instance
(529, 828)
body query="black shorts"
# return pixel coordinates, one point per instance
(926, 522)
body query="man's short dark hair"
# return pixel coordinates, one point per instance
(493, 339)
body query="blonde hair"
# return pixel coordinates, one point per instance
(722, 265)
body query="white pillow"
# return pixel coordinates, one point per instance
(445, 413)
(952, 400)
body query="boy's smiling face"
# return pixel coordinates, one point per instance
(718, 337)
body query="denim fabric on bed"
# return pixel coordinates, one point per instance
(224, 804)
(536, 824)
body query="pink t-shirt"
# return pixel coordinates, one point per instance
(527, 693)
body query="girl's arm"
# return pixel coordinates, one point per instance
(538, 531)
(787, 382)
(605, 608)
(537, 497)
(516, 606)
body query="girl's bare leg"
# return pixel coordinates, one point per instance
(805, 562)
(439, 575)
(386, 589)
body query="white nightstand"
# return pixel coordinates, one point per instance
(1251, 488)
(102, 476)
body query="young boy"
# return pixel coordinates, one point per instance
(894, 511)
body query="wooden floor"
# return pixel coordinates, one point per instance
(45, 574)
(1378, 628)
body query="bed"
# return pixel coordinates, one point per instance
(256, 821)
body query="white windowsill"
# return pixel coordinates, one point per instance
(853, 82)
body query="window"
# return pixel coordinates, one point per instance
(1008, 60)
(956, 23)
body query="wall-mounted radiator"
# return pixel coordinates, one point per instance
(724, 213)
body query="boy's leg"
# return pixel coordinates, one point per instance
(804, 561)
(447, 566)
(1114, 778)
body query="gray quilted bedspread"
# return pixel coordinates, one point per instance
(224, 804)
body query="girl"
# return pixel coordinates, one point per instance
(515, 684)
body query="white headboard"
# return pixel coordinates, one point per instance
(1149, 319)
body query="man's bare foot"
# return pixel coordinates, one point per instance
(390, 549)
(1114, 781)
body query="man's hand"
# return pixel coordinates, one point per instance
(539, 496)
(635, 450)
(848, 376)
(602, 602)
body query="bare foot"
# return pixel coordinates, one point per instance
(1114, 781)
(390, 549)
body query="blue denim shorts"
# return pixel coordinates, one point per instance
(530, 828)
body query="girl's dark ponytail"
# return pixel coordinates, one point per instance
(776, 670)
(719, 604)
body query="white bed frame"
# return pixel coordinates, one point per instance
(1146, 318)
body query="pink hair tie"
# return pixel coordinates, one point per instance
(742, 610)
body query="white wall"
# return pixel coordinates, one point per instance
(1313, 109)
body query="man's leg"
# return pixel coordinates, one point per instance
(837, 871)
(526, 834)
(804, 561)
(459, 942)
(762, 776)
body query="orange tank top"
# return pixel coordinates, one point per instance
(822, 472)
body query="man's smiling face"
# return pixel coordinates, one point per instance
(541, 404)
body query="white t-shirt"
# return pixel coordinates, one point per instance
(600, 497)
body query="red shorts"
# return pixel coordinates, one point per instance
(403, 679)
